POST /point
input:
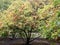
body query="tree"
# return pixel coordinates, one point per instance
(25, 17)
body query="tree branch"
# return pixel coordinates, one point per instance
(34, 39)
(45, 18)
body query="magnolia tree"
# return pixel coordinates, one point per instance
(23, 18)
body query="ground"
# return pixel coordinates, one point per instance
(21, 42)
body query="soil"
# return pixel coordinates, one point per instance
(19, 41)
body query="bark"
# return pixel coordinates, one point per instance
(28, 42)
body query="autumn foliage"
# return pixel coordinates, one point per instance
(40, 16)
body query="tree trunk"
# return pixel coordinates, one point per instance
(27, 42)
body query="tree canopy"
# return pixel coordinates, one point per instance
(38, 15)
